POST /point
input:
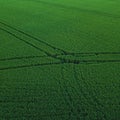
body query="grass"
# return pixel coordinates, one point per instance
(59, 60)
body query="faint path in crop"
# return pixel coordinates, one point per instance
(105, 14)
(67, 96)
(95, 102)
(79, 108)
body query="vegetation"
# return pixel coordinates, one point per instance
(59, 60)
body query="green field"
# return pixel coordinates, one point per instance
(60, 60)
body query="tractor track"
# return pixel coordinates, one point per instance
(23, 57)
(63, 52)
(33, 37)
(86, 54)
(30, 65)
(64, 97)
(80, 111)
(67, 97)
(81, 91)
(28, 43)
(63, 87)
(27, 57)
(95, 100)
(57, 56)
(61, 62)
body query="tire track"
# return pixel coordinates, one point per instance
(100, 106)
(23, 57)
(95, 100)
(30, 44)
(81, 91)
(63, 52)
(80, 111)
(70, 54)
(64, 98)
(61, 62)
(95, 53)
(33, 37)
(27, 57)
(89, 61)
(30, 65)
(67, 97)
(78, 82)
(74, 54)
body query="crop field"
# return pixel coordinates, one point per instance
(59, 59)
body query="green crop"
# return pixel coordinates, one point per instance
(59, 60)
